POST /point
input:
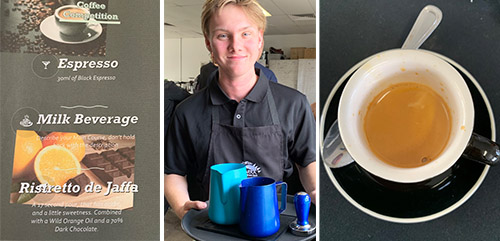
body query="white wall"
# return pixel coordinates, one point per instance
(184, 57)
(286, 71)
(299, 74)
(285, 42)
(194, 55)
(172, 63)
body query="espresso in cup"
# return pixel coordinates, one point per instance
(72, 13)
(408, 124)
(66, 14)
(406, 115)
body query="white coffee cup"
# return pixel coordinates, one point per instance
(373, 77)
(71, 28)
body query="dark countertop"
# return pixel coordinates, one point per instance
(469, 34)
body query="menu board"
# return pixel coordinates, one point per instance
(79, 120)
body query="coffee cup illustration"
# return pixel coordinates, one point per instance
(71, 19)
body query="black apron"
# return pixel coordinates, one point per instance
(259, 148)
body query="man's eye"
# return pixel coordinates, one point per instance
(246, 34)
(222, 36)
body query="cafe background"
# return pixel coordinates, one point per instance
(291, 28)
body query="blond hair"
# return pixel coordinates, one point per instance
(250, 8)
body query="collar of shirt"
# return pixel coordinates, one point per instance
(257, 94)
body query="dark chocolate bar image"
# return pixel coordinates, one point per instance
(128, 152)
(81, 180)
(112, 166)
(103, 173)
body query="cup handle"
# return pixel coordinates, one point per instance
(284, 187)
(92, 24)
(482, 150)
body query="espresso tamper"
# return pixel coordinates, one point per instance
(301, 225)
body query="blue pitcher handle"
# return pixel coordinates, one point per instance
(284, 187)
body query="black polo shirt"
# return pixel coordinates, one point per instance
(188, 136)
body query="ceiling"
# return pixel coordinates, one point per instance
(185, 16)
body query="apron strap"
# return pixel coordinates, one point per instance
(210, 161)
(272, 107)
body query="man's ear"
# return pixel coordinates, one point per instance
(261, 40)
(207, 44)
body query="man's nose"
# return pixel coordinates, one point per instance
(236, 43)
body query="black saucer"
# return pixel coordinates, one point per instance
(417, 202)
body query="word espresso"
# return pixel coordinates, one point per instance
(75, 65)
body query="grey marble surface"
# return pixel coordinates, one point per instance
(469, 34)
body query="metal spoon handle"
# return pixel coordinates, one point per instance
(428, 20)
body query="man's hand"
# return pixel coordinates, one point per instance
(176, 192)
(312, 194)
(188, 206)
(307, 176)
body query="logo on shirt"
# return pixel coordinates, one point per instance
(253, 169)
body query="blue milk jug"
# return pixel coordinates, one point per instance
(260, 216)
(224, 194)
